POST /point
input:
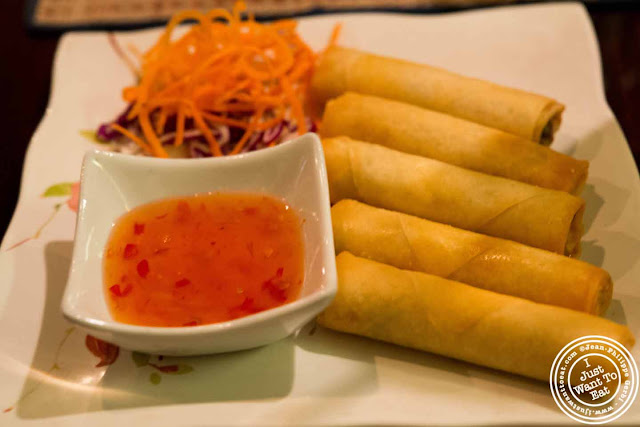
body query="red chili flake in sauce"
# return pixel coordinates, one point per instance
(248, 305)
(210, 254)
(143, 268)
(117, 291)
(276, 287)
(130, 251)
(138, 229)
(183, 211)
(182, 282)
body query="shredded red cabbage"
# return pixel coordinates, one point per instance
(197, 146)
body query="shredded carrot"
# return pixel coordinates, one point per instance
(147, 129)
(247, 133)
(224, 70)
(120, 52)
(180, 127)
(272, 122)
(225, 120)
(213, 144)
(135, 138)
(335, 34)
(162, 120)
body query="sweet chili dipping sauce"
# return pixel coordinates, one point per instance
(203, 259)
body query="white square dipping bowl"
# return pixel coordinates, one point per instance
(113, 184)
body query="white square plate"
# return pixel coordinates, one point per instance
(317, 377)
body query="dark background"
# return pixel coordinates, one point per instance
(26, 59)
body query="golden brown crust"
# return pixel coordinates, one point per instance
(415, 130)
(451, 195)
(511, 110)
(498, 265)
(429, 313)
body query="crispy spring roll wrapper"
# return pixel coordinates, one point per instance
(497, 265)
(528, 115)
(415, 130)
(452, 319)
(448, 194)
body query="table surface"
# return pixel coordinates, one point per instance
(27, 60)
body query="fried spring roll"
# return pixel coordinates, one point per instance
(448, 194)
(415, 130)
(452, 319)
(521, 113)
(497, 265)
